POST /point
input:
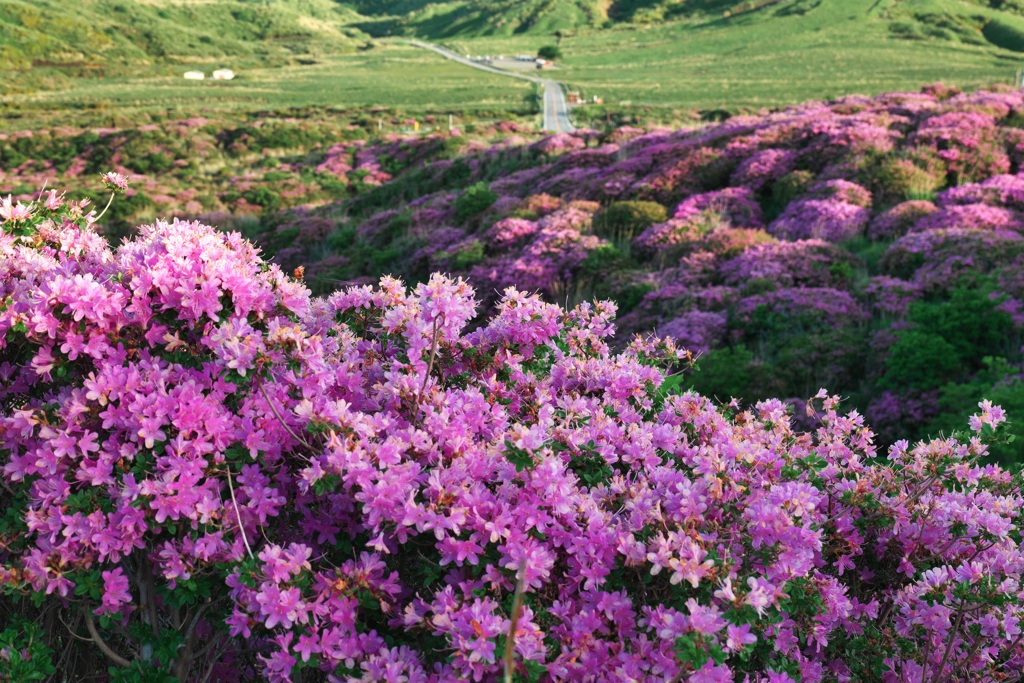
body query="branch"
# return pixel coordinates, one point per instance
(517, 610)
(281, 419)
(234, 501)
(109, 202)
(434, 333)
(100, 643)
(71, 631)
(940, 674)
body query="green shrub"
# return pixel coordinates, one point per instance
(724, 373)
(602, 261)
(1005, 35)
(24, 655)
(921, 360)
(916, 174)
(466, 257)
(264, 198)
(948, 340)
(629, 297)
(785, 190)
(341, 239)
(968, 320)
(549, 52)
(620, 222)
(998, 382)
(474, 201)
(154, 162)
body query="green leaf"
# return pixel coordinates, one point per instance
(518, 457)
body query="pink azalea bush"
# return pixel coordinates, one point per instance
(832, 220)
(213, 475)
(898, 220)
(920, 192)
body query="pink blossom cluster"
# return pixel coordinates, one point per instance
(898, 220)
(697, 331)
(831, 220)
(763, 167)
(698, 215)
(736, 205)
(935, 259)
(825, 307)
(862, 196)
(843, 191)
(545, 255)
(968, 141)
(977, 216)
(374, 486)
(807, 263)
(998, 190)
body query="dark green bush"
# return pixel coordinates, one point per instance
(620, 222)
(920, 360)
(948, 341)
(264, 198)
(1005, 35)
(468, 256)
(998, 382)
(785, 190)
(549, 52)
(724, 373)
(474, 201)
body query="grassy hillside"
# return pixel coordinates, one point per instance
(747, 57)
(430, 19)
(653, 61)
(474, 18)
(44, 42)
(398, 77)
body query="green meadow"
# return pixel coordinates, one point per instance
(663, 64)
(771, 58)
(395, 76)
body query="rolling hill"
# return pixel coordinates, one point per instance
(676, 54)
(980, 21)
(43, 42)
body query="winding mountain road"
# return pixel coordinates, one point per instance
(556, 108)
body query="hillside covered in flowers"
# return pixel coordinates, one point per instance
(869, 245)
(211, 474)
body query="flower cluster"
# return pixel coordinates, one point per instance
(387, 495)
(825, 219)
(910, 190)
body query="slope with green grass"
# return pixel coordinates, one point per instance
(650, 60)
(744, 56)
(395, 76)
(435, 20)
(45, 42)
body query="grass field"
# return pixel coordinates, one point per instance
(772, 58)
(390, 75)
(780, 53)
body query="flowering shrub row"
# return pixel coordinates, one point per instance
(211, 475)
(829, 244)
(226, 170)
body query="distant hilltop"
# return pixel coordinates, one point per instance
(47, 42)
(468, 18)
(1000, 22)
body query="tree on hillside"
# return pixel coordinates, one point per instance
(550, 52)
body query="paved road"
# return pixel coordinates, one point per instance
(556, 109)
